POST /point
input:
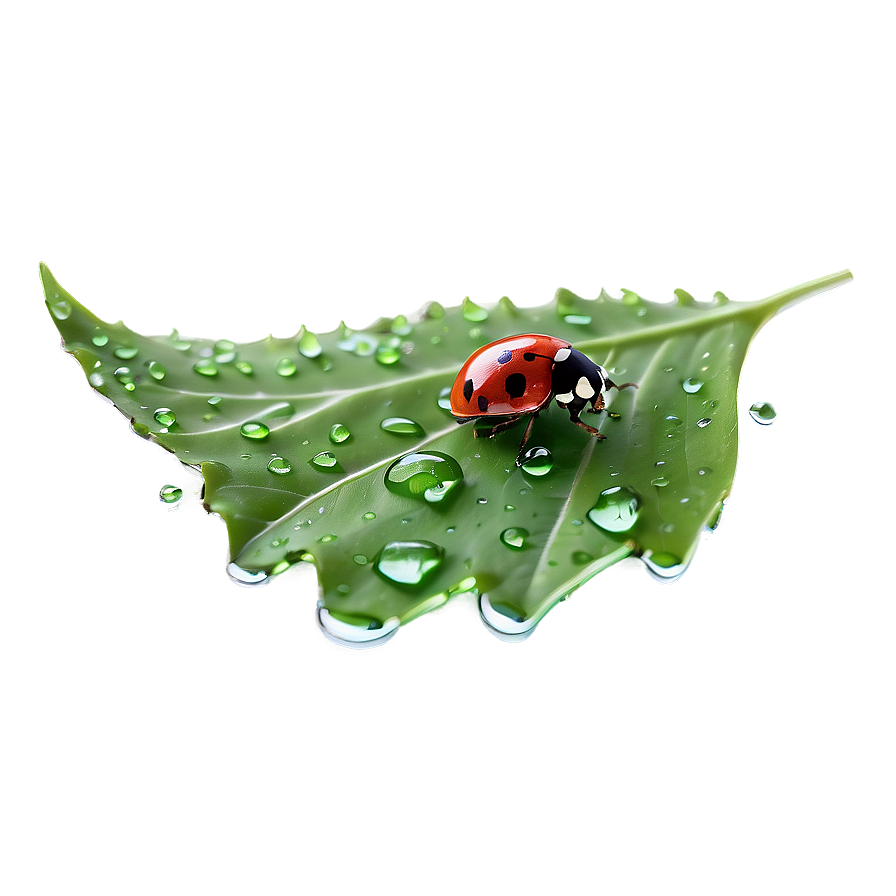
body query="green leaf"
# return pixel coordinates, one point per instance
(296, 437)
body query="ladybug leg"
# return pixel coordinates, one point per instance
(597, 404)
(500, 427)
(611, 385)
(529, 425)
(575, 408)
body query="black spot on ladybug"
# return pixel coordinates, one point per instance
(483, 403)
(528, 356)
(468, 389)
(504, 357)
(515, 385)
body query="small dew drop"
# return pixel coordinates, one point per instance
(255, 430)
(616, 509)
(444, 399)
(309, 346)
(409, 562)
(402, 426)
(99, 338)
(339, 432)
(581, 558)
(660, 482)
(170, 494)
(126, 378)
(762, 412)
(509, 507)
(165, 416)
(60, 309)
(205, 368)
(326, 460)
(704, 422)
(245, 368)
(156, 370)
(370, 515)
(279, 466)
(388, 355)
(537, 461)
(692, 386)
(286, 367)
(125, 352)
(482, 500)
(326, 539)
(580, 320)
(515, 538)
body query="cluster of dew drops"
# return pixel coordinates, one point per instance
(429, 476)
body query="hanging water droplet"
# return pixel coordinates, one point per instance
(125, 377)
(505, 622)
(170, 494)
(425, 475)
(444, 399)
(762, 412)
(664, 565)
(308, 344)
(473, 312)
(279, 466)
(616, 509)
(286, 367)
(205, 367)
(515, 538)
(253, 429)
(246, 576)
(60, 308)
(355, 631)
(537, 461)
(692, 386)
(409, 562)
(402, 426)
(326, 460)
(165, 416)
(704, 422)
(339, 432)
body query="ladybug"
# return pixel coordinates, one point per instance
(519, 375)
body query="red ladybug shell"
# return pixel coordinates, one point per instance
(510, 376)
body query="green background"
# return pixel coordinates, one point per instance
(235, 169)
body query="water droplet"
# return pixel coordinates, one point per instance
(435, 311)
(515, 538)
(704, 422)
(444, 399)
(388, 354)
(581, 558)
(60, 308)
(370, 515)
(409, 562)
(537, 461)
(125, 377)
(401, 426)
(762, 412)
(503, 621)
(286, 367)
(664, 565)
(473, 312)
(360, 559)
(339, 432)
(675, 421)
(170, 494)
(326, 460)
(581, 320)
(279, 466)
(660, 482)
(355, 631)
(426, 475)
(180, 344)
(400, 326)
(616, 509)
(326, 539)
(125, 352)
(245, 368)
(482, 500)
(156, 370)
(255, 430)
(99, 338)
(630, 298)
(214, 400)
(206, 368)
(692, 385)
(165, 416)
(509, 507)
(308, 344)
(245, 576)
(703, 471)
(224, 345)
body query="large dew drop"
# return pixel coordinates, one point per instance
(664, 566)
(359, 633)
(425, 475)
(255, 430)
(515, 538)
(616, 510)
(502, 625)
(537, 461)
(402, 426)
(409, 562)
(762, 412)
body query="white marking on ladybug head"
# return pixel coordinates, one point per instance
(562, 354)
(565, 398)
(584, 389)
